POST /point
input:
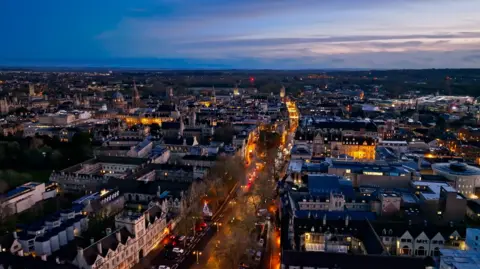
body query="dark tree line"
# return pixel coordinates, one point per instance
(40, 153)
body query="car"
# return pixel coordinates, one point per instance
(163, 267)
(177, 250)
(258, 256)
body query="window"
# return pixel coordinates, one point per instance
(405, 250)
(421, 251)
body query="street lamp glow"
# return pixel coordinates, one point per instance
(197, 253)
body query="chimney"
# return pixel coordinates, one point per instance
(119, 236)
(451, 223)
(347, 218)
(92, 240)
(99, 247)
(15, 235)
(184, 141)
(425, 222)
(324, 219)
(409, 222)
(109, 231)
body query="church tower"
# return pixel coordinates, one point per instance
(214, 97)
(135, 96)
(282, 93)
(31, 89)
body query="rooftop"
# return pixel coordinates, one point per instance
(457, 168)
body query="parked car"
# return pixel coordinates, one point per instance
(258, 256)
(178, 250)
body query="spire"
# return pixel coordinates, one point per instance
(214, 97)
(135, 96)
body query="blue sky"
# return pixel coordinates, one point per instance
(285, 34)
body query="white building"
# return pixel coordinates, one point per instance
(27, 195)
(54, 232)
(397, 146)
(465, 178)
(134, 236)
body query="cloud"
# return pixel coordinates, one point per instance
(333, 39)
(475, 58)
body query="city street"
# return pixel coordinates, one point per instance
(199, 243)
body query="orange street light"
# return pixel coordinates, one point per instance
(197, 253)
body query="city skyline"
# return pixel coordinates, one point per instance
(281, 34)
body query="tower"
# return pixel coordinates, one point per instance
(135, 96)
(214, 97)
(31, 89)
(416, 114)
(4, 106)
(192, 121)
(448, 87)
(236, 92)
(282, 92)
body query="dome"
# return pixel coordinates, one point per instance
(456, 168)
(117, 95)
(459, 167)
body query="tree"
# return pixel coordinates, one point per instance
(56, 158)
(440, 124)
(224, 134)
(3, 186)
(237, 241)
(268, 139)
(263, 187)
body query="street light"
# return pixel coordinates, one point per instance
(197, 253)
(218, 224)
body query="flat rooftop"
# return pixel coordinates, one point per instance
(434, 189)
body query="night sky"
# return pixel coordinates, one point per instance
(280, 34)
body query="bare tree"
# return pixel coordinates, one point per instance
(5, 211)
(3, 186)
(233, 248)
(263, 187)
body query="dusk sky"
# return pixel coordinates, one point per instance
(279, 34)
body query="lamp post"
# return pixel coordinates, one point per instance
(194, 226)
(197, 253)
(218, 224)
